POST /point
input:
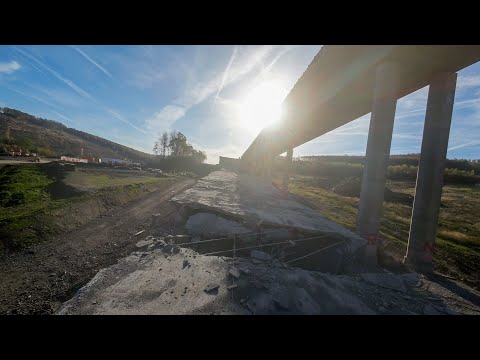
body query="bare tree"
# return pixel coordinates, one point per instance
(172, 144)
(164, 143)
(155, 148)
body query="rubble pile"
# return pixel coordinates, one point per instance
(164, 278)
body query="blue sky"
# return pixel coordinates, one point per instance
(129, 94)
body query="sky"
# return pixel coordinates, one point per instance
(219, 97)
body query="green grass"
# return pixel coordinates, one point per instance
(90, 180)
(31, 202)
(458, 237)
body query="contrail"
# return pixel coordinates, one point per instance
(80, 91)
(267, 68)
(68, 82)
(225, 74)
(471, 143)
(28, 62)
(99, 67)
(62, 116)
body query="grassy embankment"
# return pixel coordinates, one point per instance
(458, 238)
(37, 203)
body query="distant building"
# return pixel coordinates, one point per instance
(92, 160)
(229, 163)
(110, 161)
(73, 160)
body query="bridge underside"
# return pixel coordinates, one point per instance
(344, 83)
(338, 87)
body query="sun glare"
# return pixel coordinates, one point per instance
(262, 106)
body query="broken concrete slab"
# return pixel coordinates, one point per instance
(252, 197)
(211, 225)
(255, 200)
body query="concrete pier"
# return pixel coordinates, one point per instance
(428, 192)
(286, 175)
(378, 151)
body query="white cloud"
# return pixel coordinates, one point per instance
(9, 67)
(468, 81)
(165, 118)
(248, 60)
(99, 67)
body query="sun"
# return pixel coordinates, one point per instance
(262, 106)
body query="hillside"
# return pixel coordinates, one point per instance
(62, 140)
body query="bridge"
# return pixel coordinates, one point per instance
(343, 83)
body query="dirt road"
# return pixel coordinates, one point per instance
(37, 281)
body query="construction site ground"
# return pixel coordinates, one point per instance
(163, 278)
(37, 280)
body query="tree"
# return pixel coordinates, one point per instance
(7, 137)
(155, 148)
(164, 143)
(26, 143)
(199, 156)
(177, 146)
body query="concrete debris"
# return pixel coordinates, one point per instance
(388, 281)
(138, 233)
(260, 255)
(245, 270)
(135, 287)
(212, 289)
(281, 300)
(170, 249)
(234, 272)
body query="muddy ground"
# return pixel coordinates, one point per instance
(38, 280)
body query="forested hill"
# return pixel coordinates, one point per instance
(55, 139)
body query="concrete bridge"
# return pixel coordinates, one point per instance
(344, 83)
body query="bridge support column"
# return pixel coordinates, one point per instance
(370, 209)
(288, 165)
(428, 192)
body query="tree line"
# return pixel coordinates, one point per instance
(175, 145)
